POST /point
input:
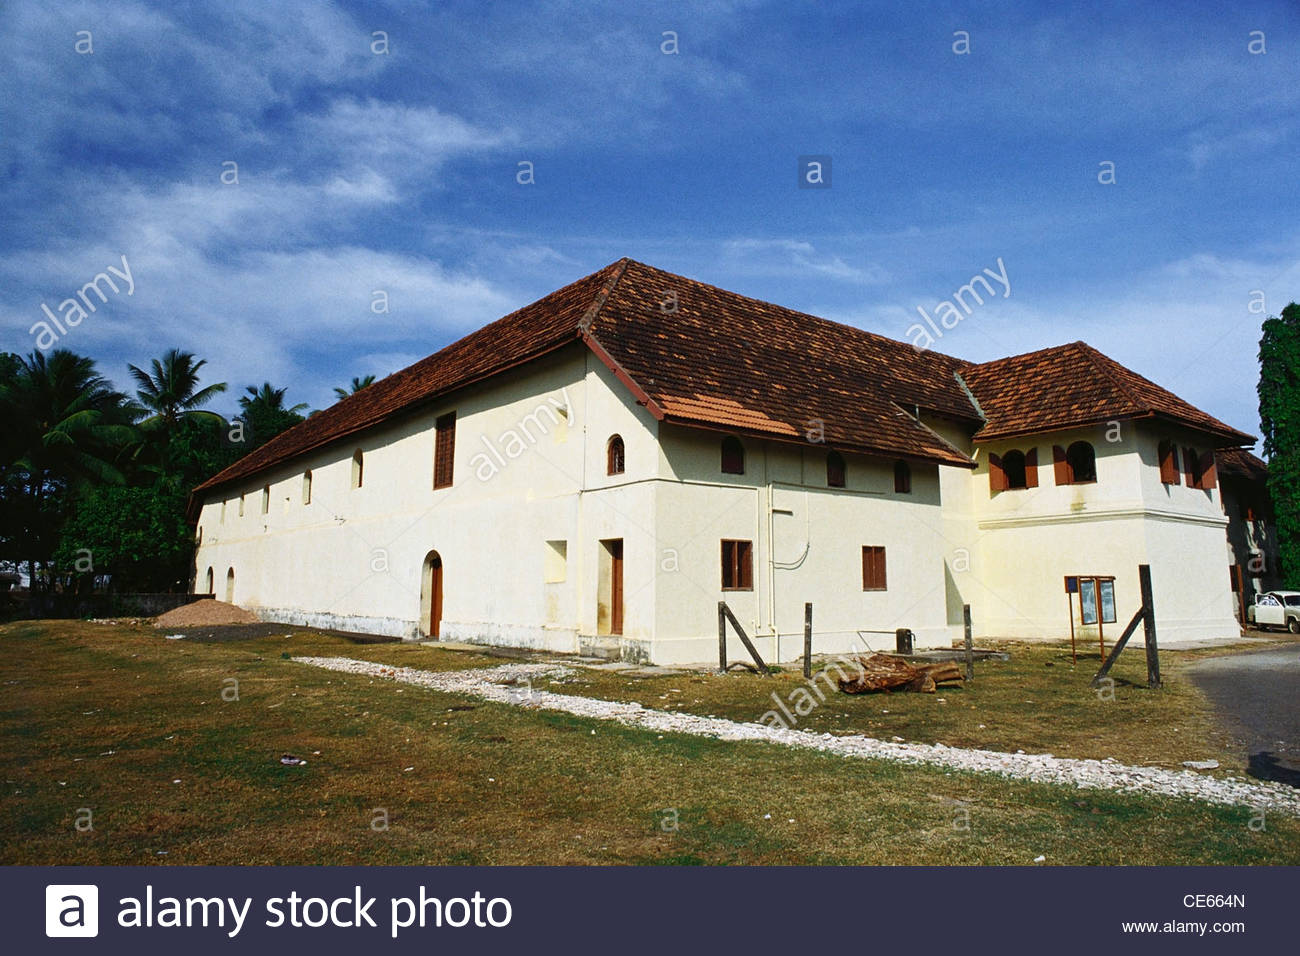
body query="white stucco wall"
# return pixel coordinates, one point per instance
(354, 558)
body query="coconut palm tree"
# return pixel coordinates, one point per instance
(69, 425)
(357, 385)
(170, 393)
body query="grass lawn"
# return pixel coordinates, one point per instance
(116, 719)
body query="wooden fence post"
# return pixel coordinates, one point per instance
(970, 644)
(1149, 626)
(807, 640)
(722, 637)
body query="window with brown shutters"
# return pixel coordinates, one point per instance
(835, 470)
(737, 565)
(1200, 469)
(873, 568)
(733, 456)
(902, 478)
(614, 456)
(1013, 470)
(1168, 463)
(444, 450)
(1076, 465)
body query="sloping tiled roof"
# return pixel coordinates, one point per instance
(697, 355)
(1240, 463)
(1068, 386)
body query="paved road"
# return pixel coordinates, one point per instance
(1257, 693)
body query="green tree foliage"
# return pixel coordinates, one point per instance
(138, 535)
(1279, 420)
(357, 385)
(265, 414)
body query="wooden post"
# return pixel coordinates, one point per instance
(807, 641)
(722, 637)
(1149, 626)
(1069, 610)
(970, 643)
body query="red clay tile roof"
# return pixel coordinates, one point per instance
(714, 359)
(1068, 386)
(1240, 463)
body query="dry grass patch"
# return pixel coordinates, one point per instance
(108, 717)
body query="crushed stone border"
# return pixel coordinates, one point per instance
(511, 684)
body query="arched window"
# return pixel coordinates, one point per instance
(210, 582)
(614, 462)
(834, 470)
(902, 478)
(230, 586)
(733, 456)
(358, 468)
(1076, 465)
(1013, 466)
(306, 487)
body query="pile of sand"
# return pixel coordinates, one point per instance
(205, 612)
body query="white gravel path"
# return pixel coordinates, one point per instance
(512, 684)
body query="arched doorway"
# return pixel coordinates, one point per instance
(431, 596)
(230, 586)
(210, 582)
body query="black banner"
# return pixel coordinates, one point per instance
(198, 910)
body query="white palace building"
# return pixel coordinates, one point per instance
(596, 471)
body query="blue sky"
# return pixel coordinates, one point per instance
(361, 171)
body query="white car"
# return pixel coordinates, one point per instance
(1277, 609)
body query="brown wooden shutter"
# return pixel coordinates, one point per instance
(1060, 465)
(1031, 468)
(746, 564)
(1168, 463)
(997, 477)
(444, 450)
(1209, 473)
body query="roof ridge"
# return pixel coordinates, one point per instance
(1093, 357)
(602, 294)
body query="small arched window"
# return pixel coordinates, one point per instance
(1013, 466)
(835, 470)
(902, 478)
(733, 456)
(358, 468)
(614, 462)
(210, 583)
(1076, 465)
(230, 585)
(306, 487)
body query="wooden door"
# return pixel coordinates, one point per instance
(435, 597)
(616, 586)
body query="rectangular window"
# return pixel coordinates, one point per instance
(873, 568)
(444, 450)
(556, 561)
(223, 511)
(737, 565)
(266, 499)
(241, 506)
